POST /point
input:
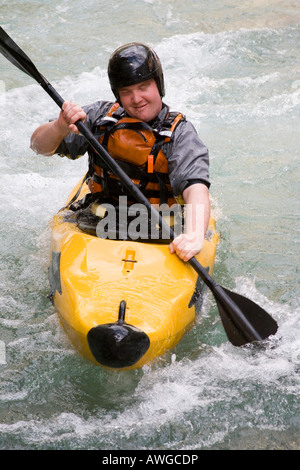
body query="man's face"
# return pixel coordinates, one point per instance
(142, 100)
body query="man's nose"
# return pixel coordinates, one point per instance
(136, 97)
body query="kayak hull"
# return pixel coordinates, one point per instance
(122, 303)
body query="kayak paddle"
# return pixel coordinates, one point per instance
(244, 321)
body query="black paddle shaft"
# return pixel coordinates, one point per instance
(243, 320)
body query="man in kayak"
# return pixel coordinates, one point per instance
(158, 148)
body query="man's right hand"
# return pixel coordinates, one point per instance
(69, 114)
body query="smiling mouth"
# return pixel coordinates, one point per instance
(140, 108)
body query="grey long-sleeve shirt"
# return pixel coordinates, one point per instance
(188, 158)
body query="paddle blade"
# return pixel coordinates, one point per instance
(17, 57)
(244, 321)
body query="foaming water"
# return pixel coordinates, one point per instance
(234, 71)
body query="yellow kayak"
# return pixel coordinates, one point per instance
(122, 303)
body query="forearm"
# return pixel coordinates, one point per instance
(197, 213)
(47, 138)
(197, 204)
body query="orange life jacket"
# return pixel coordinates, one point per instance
(137, 149)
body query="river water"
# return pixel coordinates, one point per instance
(233, 68)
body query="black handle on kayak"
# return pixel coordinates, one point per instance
(243, 320)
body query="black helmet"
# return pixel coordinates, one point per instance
(134, 63)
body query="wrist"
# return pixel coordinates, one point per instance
(61, 127)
